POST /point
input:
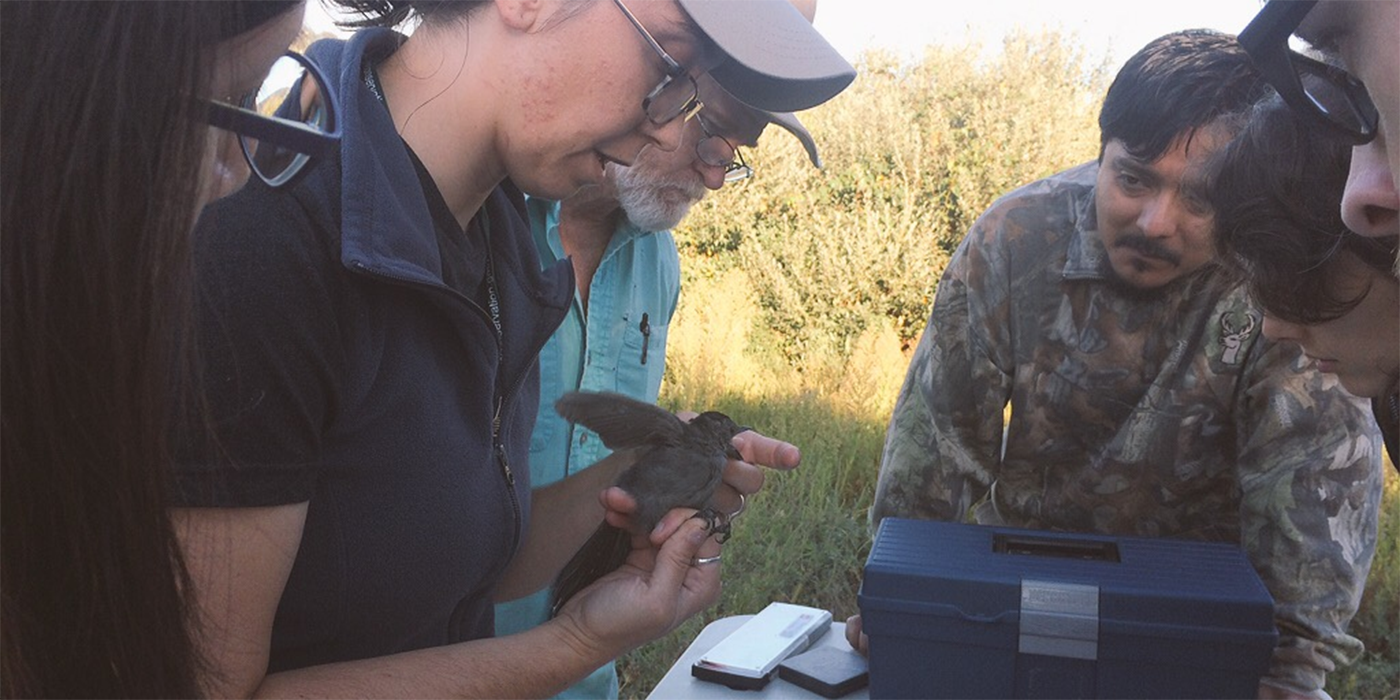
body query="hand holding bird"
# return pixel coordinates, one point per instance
(673, 464)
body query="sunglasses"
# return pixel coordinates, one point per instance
(1322, 93)
(283, 125)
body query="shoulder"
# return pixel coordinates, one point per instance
(662, 246)
(1030, 228)
(1288, 394)
(263, 246)
(267, 222)
(1048, 208)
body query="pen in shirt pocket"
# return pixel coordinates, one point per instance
(645, 328)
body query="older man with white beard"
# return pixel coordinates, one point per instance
(627, 270)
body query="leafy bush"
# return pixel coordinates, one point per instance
(913, 154)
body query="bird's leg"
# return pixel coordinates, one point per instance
(722, 524)
(717, 523)
(724, 530)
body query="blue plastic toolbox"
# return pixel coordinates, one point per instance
(967, 611)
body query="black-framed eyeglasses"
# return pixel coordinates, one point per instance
(676, 95)
(286, 122)
(1324, 93)
(718, 151)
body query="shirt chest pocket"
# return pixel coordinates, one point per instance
(641, 358)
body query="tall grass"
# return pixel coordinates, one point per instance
(804, 537)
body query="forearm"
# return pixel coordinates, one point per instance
(943, 442)
(539, 662)
(1311, 480)
(563, 515)
(1315, 596)
(240, 564)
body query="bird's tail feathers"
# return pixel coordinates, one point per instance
(601, 555)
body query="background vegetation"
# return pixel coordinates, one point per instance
(805, 289)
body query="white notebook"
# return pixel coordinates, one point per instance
(761, 643)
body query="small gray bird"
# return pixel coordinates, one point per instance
(674, 464)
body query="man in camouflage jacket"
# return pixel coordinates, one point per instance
(1144, 400)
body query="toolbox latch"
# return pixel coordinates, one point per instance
(1059, 619)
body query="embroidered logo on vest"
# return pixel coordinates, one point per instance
(1235, 327)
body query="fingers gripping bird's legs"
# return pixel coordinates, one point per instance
(717, 523)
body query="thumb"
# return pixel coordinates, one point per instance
(677, 553)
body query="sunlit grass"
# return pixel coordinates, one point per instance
(803, 539)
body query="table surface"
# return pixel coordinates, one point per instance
(678, 683)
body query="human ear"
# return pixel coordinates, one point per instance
(520, 15)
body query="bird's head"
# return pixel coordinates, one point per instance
(716, 428)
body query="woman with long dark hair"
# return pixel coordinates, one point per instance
(108, 155)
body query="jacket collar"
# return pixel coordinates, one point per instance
(386, 223)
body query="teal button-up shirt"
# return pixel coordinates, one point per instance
(619, 345)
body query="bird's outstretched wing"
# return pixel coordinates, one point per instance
(620, 420)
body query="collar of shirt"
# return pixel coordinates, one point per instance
(544, 223)
(1086, 258)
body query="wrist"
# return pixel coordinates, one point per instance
(569, 634)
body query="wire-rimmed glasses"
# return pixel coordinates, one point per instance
(677, 94)
(720, 152)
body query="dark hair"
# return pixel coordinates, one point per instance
(1175, 85)
(1277, 191)
(392, 13)
(101, 160)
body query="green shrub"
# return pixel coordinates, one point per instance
(913, 154)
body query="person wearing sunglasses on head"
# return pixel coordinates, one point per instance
(373, 332)
(617, 236)
(1320, 286)
(108, 155)
(1353, 93)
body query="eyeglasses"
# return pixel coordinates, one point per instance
(1324, 93)
(677, 94)
(718, 151)
(283, 124)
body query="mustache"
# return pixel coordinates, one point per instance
(1147, 247)
(691, 188)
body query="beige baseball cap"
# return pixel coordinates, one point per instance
(775, 60)
(789, 121)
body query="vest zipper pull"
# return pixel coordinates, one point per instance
(505, 465)
(496, 441)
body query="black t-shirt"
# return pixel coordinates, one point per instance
(344, 371)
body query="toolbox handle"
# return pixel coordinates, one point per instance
(1063, 548)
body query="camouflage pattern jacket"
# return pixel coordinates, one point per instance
(1161, 413)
